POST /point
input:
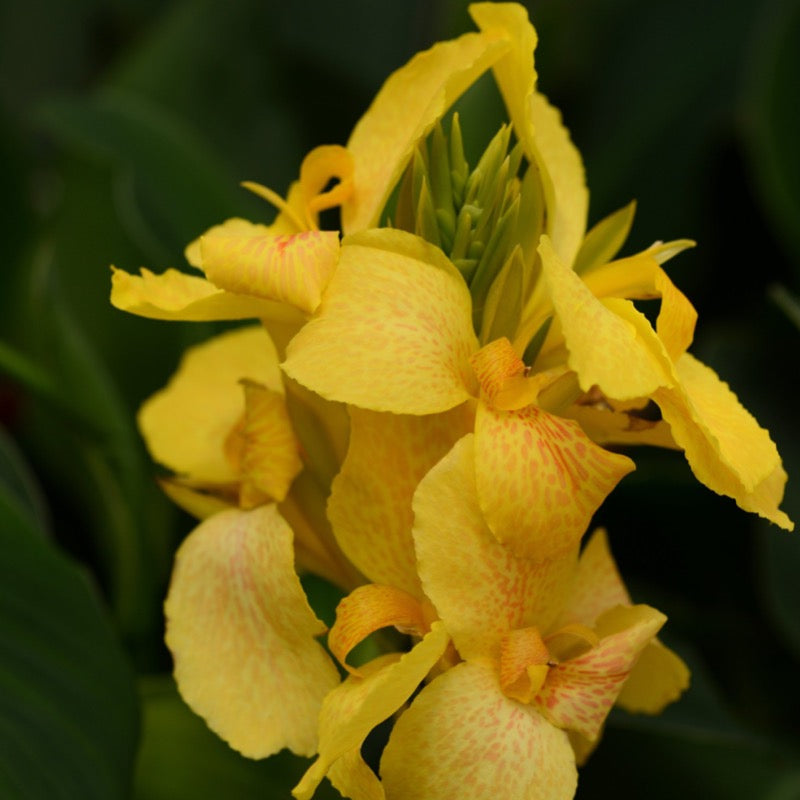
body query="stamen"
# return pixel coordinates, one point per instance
(279, 203)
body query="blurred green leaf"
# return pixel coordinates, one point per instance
(20, 495)
(181, 759)
(787, 302)
(68, 713)
(773, 121)
(170, 187)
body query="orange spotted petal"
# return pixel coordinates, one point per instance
(519, 650)
(481, 589)
(368, 609)
(174, 295)
(288, 268)
(370, 502)
(579, 693)
(463, 738)
(394, 331)
(357, 705)
(242, 634)
(540, 479)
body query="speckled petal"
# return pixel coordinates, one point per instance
(370, 503)
(479, 587)
(405, 109)
(463, 739)
(236, 226)
(174, 295)
(357, 705)
(579, 693)
(186, 424)
(242, 634)
(290, 268)
(540, 479)
(394, 330)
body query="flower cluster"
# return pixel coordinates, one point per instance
(422, 416)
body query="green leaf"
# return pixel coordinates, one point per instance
(181, 759)
(68, 713)
(605, 239)
(20, 496)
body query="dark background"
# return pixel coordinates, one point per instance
(125, 128)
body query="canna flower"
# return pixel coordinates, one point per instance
(239, 626)
(522, 660)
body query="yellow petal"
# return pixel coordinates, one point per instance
(605, 349)
(538, 126)
(186, 424)
(404, 110)
(290, 268)
(241, 634)
(262, 448)
(370, 503)
(641, 277)
(494, 365)
(658, 678)
(463, 738)
(597, 585)
(368, 609)
(540, 479)
(606, 426)
(579, 693)
(357, 705)
(236, 226)
(394, 330)
(193, 500)
(174, 295)
(726, 448)
(319, 167)
(605, 239)
(480, 589)
(352, 778)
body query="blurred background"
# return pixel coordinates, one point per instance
(125, 129)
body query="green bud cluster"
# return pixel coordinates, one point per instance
(473, 215)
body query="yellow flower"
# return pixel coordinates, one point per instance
(524, 660)
(239, 626)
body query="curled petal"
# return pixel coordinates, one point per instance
(726, 448)
(394, 330)
(357, 705)
(318, 168)
(368, 609)
(658, 678)
(290, 268)
(540, 479)
(605, 349)
(186, 424)
(403, 112)
(579, 693)
(480, 588)
(242, 634)
(463, 738)
(370, 502)
(175, 295)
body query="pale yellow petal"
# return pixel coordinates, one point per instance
(352, 778)
(291, 268)
(393, 332)
(540, 479)
(405, 109)
(597, 585)
(174, 295)
(658, 678)
(726, 448)
(357, 705)
(194, 500)
(242, 634)
(463, 739)
(480, 589)
(579, 693)
(236, 226)
(263, 448)
(605, 349)
(186, 424)
(370, 503)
